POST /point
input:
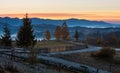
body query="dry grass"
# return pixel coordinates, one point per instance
(85, 58)
(50, 44)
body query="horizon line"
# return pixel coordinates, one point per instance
(62, 16)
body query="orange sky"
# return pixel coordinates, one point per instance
(101, 16)
(106, 10)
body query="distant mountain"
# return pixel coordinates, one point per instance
(75, 22)
(40, 26)
(11, 21)
(70, 22)
(11, 27)
(83, 31)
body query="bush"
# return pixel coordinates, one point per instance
(105, 52)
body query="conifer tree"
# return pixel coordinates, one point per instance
(57, 32)
(25, 36)
(76, 36)
(64, 31)
(47, 35)
(6, 37)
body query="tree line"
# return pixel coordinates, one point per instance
(26, 38)
(60, 33)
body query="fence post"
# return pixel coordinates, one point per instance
(13, 54)
(110, 67)
(97, 70)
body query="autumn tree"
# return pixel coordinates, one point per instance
(64, 31)
(6, 37)
(57, 32)
(25, 36)
(47, 35)
(76, 36)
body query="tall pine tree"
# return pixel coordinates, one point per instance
(6, 40)
(65, 31)
(76, 36)
(25, 36)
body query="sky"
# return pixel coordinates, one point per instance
(101, 10)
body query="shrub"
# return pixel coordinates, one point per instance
(105, 52)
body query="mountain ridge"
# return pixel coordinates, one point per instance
(40, 25)
(72, 22)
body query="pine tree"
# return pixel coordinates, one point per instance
(65, 31)
(57, 32)
(25, 36)
(6, 40)
(76, 36)
(47, 35)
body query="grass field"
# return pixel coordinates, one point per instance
(51, 44)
